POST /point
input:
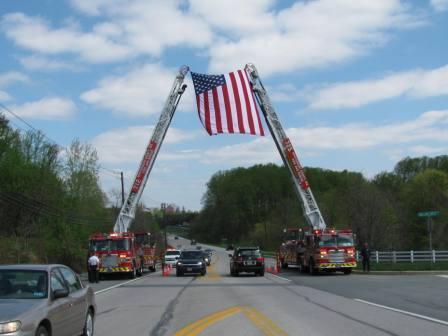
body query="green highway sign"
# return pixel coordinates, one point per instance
(428, 213)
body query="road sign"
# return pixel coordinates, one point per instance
(428, 214)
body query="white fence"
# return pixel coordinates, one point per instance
(406, 256)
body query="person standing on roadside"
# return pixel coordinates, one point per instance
(365, 255)
(93, 264)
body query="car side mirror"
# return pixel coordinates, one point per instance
(60, 293)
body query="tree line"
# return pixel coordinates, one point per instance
(253, 205)
(51, 200)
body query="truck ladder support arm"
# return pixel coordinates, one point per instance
(127, 212)
(287, 153)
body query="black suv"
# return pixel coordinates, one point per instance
(246, 259)
(191, 261)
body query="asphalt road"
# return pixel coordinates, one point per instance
(284, 304)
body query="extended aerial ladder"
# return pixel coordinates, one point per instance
(286, 150)
(127, 212)
(284, 146)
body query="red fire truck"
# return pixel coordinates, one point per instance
(123, 252)
(326, 250)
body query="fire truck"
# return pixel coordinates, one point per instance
(317, 248)
(315, 251)
(123, 252)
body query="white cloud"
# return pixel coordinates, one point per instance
(4, 96)
(47, 108)
(439, 5)
(35, 34)
(312, 34)
(430, 126)
(129, 29)
(11, 77)
(427, 150)
(414, 84)
(44, 64)
(140, 92)
(128, 145)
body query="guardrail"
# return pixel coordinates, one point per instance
(406, 256)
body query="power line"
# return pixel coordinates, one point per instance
(7, 109)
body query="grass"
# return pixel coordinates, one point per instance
(407, 266)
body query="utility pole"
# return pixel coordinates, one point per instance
(122, 189)
(163, 207)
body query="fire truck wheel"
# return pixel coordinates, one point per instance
(284, 265)
(152, 268)
(347, 271)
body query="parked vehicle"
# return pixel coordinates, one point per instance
(191, 261)
(318, 250)
(171, 257)
(123, 252)
(44, 300)
(246, 259)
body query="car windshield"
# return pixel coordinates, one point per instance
(191, 255)
(109, 245)
(170, 253)
(249, 253)
(20, 284)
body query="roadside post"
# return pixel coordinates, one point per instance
(429, 215)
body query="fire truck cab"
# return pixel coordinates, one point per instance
(327, 250)
(122, 252)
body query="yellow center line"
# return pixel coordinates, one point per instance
(261, 321)
(200, 325)
(211, 274)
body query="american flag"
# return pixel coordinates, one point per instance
(226, 103)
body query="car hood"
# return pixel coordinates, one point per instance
(11, 309)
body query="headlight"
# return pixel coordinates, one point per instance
(200, 263)
(10, 327)
(179, 263)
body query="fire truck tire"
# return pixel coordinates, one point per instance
(347, 271)
(284, 265)
(152, 268)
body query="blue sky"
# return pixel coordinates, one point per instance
(357, 84)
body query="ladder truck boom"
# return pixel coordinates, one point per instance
(127, 212)
(286, 150)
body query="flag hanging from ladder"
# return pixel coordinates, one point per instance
(226, 103)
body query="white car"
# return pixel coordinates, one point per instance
(171, 257)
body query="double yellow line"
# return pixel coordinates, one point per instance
(262, 322)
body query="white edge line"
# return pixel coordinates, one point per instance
(123, 283)
(404, 312)
(279, 277)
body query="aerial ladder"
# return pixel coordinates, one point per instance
(127, 212)
(319, 248)
(302, 187)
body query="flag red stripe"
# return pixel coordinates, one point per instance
(246, 98)
(237, 103)
(208, 127)
(260, 126)
(225, 93)
(217, 110)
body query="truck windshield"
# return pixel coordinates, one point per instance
(327, 240)
(109, 245)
